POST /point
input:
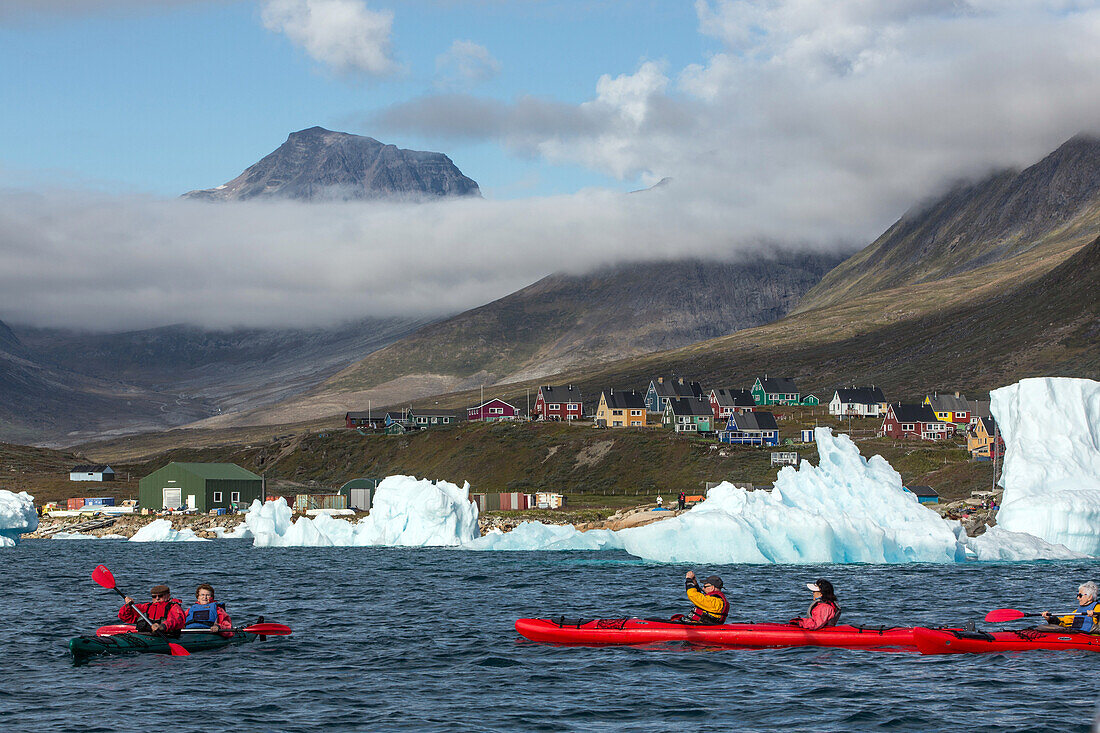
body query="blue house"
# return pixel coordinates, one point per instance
(750, 428)
(662, 390)
(924, 494)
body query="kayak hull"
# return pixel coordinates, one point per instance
(83, 648)
(954, 641)
(632, 631)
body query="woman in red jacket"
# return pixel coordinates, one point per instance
(824, 611)
(163, 611)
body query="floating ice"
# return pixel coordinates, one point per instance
(1051, 477)
(82, 536)
(405, 512)
(161, 530)
(539, 536)
(17, 516)
(999, 543)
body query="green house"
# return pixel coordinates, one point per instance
(775, 391)
(689, 415)
(202, 486)
(810, 400)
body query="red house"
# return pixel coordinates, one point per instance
(494, 409)
(914, 421)
(558, 403)
(725, 402)
(354, 420)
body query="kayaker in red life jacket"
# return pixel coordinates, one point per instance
(711, 606)
(164, 611)
(205, 613)
(824, 611)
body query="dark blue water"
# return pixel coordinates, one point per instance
(394, 639)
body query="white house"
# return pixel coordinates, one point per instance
(858, 402)
(92, 472)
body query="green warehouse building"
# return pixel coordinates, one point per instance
(202, 486)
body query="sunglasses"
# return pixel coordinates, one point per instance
(1080, 595)
(160, 595)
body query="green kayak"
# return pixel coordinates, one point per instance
(86, 647)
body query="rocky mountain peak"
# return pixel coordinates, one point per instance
(316, 164)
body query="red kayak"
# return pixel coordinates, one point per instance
(956, 641)
(624, 631)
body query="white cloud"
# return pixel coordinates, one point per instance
(342, 34)
(464, 64)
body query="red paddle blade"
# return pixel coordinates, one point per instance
(177, 650)
(267, 629)
(102, 576)
(1003, 614)
(113, 629)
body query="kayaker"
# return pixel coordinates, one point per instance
(205, 613)
(824, 611)
(711, 606)
(164, 611)
(1085, 617)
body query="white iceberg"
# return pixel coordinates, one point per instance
(161, 530)
(1000, 544)
(1051, 477)
(539, 536)
(406, 512)
(17, 516)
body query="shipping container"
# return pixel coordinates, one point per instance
(513, 501)
(548, 500)
(99, 501)
(360, 499)
(305, 502)
(74, 504)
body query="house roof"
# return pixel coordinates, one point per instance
(733, 397)
(218, 471)
(778, 385)
(753, 421)
(948, 402)
(486, 403)
(433, 413)
(690, 406)
(861, 395)
(923, 490)
(677, 387)
(979, 408)
(909, 412)
(569, 393)
(990, 424)
(364, 415)
(625, 400)
(397, 414)
(92, 468)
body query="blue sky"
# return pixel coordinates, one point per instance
(784, 125)
(170, 98)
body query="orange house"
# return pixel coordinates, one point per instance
(622, 409)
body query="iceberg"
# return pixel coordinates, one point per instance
(406, 512)
(161, 530)
(1000, 544)
(845, 509)
(17, 516)
(1051, 476)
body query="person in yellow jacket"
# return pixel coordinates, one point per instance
(1086, 616)
(711, 606)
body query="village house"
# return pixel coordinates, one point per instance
(424, 419)
(661, 390)
(92, 472)
(924, 494)
(750, 428)
(558, 403)
(370, 420)
(914, 421)
(858, 402)
(777, 391)
(724, 402)
(493, 410)
(949, 408)
(983, 440)
(689, 415)
(622, 409)
(979, 408)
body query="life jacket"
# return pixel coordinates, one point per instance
(836, 616)
(699, 616)
(202, 615)
(156, 615)
(1081, 620)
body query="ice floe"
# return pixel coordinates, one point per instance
(17, 516)
(160, 530)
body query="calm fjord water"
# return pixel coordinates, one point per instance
(422, 639)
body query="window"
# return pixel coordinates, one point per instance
(616, 412)
(422, 420)
(573, 406)
(618, 423)
(554, 407)
(217, 497)
(235, 496)
(635, 413)
(496, 410)
(908, 426)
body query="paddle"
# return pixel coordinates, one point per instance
(1001, 615)
(259, 629)
(103, 577)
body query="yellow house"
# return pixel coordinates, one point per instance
(622, 409)
(949, 408)
(980, 436)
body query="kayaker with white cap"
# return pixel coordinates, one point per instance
(711, 606)
(824, 611)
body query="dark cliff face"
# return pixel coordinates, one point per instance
(975, 224)
(321, 165)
